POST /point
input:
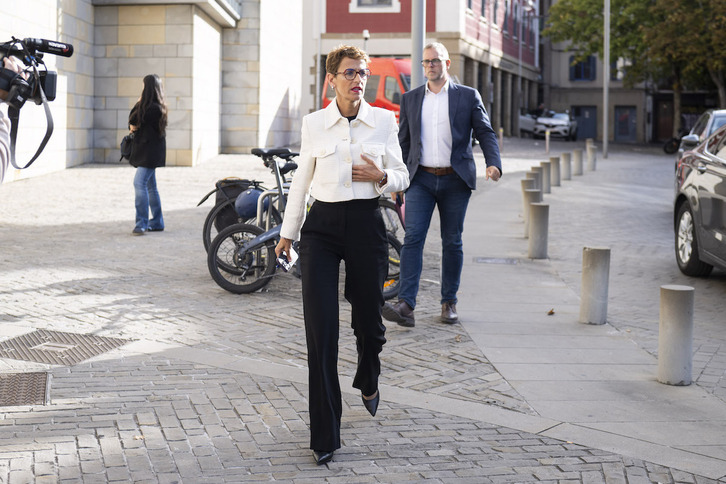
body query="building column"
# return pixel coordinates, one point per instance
(485, 88)
(507, 102)
(497, 103)
(176, 42)
(469, 77)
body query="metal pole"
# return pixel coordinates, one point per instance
(518, 101)
(418, 36)
(606, 81)
(318, 67)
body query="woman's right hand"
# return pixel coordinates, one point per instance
(283, 246)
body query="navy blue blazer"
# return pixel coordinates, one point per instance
(466, 115)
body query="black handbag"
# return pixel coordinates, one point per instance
(127, 146)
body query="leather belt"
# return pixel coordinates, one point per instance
(437, 171)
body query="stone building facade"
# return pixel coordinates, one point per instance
(231, 82)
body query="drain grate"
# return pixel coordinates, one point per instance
(56, 347)
(495, 260)
(23, 389)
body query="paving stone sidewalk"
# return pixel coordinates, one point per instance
(211, 386)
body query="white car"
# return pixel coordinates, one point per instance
(559, 125)
(526, 124)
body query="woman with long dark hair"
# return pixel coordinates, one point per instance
(148, 120)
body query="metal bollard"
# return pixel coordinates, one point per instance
(537, 170)
(539, 214)
(546, 176)
(591, 157)
(547, 141)
(595, 275)
(555, 171)
(577, 162)
(532, 176)
(566, 164)
(675, 335)
(527, 184)
(530, 196)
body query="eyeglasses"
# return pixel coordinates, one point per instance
(350, 74)
(433, 62)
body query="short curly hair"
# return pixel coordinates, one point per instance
(336, 56)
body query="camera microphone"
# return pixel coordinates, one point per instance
(50, 46)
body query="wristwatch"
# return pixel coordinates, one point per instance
(383, 180)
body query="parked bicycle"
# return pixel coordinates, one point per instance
(241, 257)
(228, 210)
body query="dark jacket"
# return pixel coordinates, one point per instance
(466, 115)
(149, 148)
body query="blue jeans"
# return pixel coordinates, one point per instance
(147, 197)
(451, 195)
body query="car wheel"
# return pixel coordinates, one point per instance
(687, 244)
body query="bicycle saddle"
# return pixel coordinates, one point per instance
(265, 152)
(288, 167)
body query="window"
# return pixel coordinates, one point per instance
(505, 26)
(372, 89)
(391, 90)
(495, 11)
(374, 6)
(469, 4)
(583, 71)
(483, 8)
(700, 125)
(716, 145)
(719, 148)
(515, 21)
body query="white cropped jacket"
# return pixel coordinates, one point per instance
(330, 146)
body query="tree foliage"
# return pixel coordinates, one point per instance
(674, 40)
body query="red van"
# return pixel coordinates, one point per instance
(390, 78)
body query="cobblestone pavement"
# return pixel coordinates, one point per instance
(211, 386)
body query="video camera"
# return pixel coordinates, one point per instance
(39, 87)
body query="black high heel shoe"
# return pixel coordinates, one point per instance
(323, 456)
(372, 404)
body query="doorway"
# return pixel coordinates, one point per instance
(626, 129)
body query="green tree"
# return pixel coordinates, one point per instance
(659, 39)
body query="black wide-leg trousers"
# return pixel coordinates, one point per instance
(352, 232)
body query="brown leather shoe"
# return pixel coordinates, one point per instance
(400, 313)
(448, 313)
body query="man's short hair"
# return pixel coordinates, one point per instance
(440, 48)
(336, 56)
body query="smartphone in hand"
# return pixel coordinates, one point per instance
(286, 261)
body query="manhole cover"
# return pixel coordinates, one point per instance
(56, 347)
(23, 389)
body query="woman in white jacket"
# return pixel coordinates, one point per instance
(349, 156)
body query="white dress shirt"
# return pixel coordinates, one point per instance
(330, 146)
(436, 128)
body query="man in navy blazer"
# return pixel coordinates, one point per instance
(436, 125)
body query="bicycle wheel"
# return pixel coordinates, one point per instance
(393, 280)
(391, 218)
(224, 215)
(236, 271)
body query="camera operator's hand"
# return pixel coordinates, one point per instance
(13, 64)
